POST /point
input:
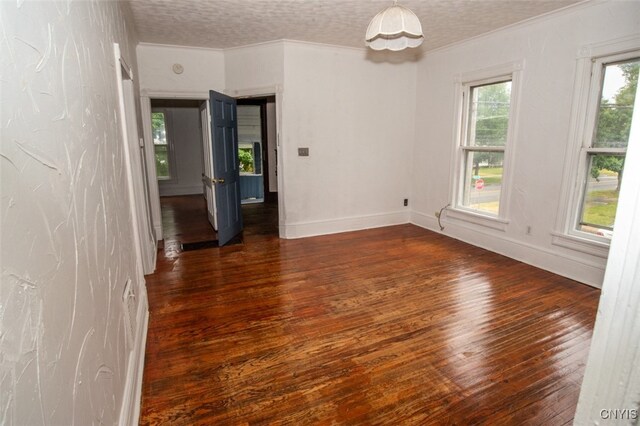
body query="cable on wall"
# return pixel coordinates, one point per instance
(439, 215)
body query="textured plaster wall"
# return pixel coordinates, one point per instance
(67, 247)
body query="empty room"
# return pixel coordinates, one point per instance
(319, 212)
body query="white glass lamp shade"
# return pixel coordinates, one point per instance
(395, 28)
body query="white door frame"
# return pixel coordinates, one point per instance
(145, 99)
(144, 242)
(152, 176)
(143, 251)
(154, 190)
(277, 92)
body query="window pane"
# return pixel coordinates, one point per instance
(601, 194)
(245, 157)
(489, 114)
(159, 128)
(162, 162)
(619, 87)
(483, 181)
(160, 144)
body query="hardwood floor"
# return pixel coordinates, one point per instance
(395, 325)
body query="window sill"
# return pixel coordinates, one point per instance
(167, 181)
(584, 245)
(478, 219)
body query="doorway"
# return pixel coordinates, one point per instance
(257, 150)
(180, 166)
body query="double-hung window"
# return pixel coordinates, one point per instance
(614, 84)
(605, 91)
(162, 145)
(484, 138)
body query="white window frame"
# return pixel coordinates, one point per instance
(463, 84)
(586, 100)
(168, 126)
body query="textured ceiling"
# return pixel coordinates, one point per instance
(226, 23)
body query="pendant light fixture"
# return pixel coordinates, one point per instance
(395, 28)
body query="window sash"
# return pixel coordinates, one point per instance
(470, 119)
(588, 150)
(471, 200)
(465, 146)
(165, 147)
(494, 148)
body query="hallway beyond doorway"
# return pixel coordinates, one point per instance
(184, 221)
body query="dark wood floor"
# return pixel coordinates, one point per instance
(184, 220)
(394, 326)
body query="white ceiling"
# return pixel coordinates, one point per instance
(227, 23)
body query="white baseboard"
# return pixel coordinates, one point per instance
(578, 269)
(345, 224)
(582, 270)
(130, 411)
(171, 190)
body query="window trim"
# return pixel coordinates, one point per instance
(511, 71)
(168, 125)
(586, 100)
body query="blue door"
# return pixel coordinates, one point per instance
(226, 171)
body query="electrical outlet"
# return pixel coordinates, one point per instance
(406, 202)
(303, 152)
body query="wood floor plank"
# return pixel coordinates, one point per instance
(394, 325)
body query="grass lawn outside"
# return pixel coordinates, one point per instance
(491, 175)
(600, 208)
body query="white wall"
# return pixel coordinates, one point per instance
(355, 113)
(67, 247)
(203, 69)
(258, 68)
(184, 125)
(357, 119)
(549, 47)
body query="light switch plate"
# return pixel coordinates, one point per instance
(303, 152)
